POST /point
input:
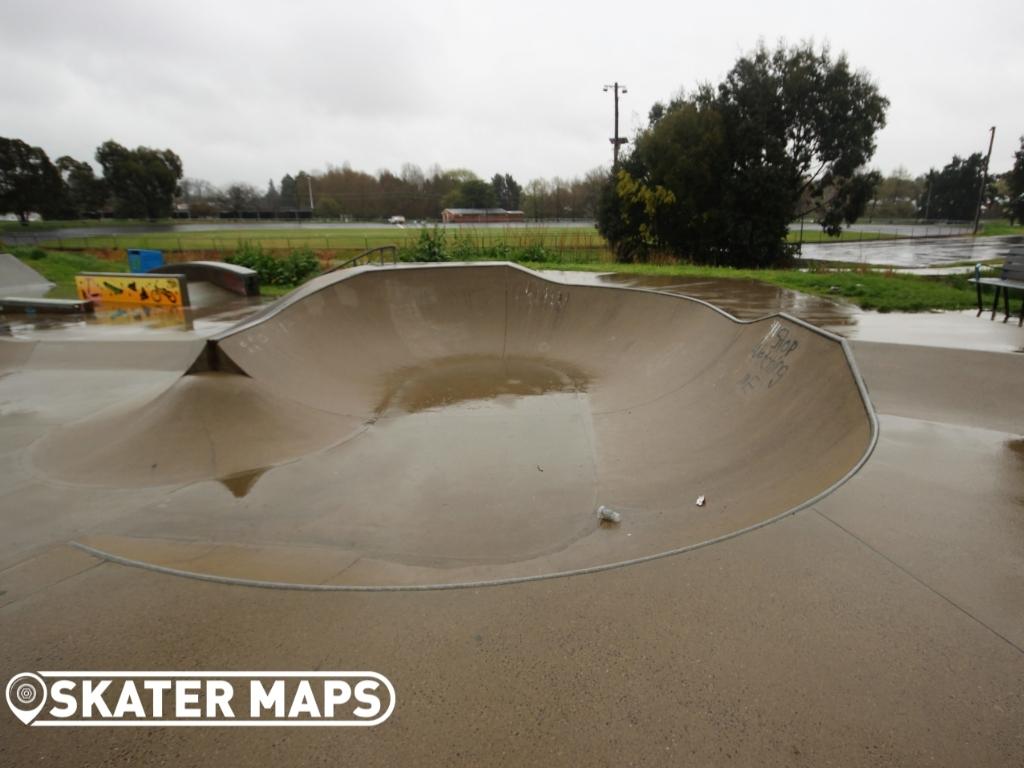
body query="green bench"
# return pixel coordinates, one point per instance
(1011, 279)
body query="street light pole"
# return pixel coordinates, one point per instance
(984, 178)
(616, 141)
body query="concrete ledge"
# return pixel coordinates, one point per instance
(21, 305)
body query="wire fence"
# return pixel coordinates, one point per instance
(337, 242)
(882, 230)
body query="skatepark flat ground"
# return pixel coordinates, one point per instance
(884, 625)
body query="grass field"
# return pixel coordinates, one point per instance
(355, 240)
(340, 241)
(998, 227)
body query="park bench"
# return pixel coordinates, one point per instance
(1011, 279)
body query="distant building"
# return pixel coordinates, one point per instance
(480, 216)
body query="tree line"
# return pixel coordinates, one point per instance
(343, 192)
(136, 183)
(950, 193)
(148, 183)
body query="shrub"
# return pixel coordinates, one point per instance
(464, 249)
(300, 265)
(32, 254)
(536, 252)
(296, 267)
(431, 246)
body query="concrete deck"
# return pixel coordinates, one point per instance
(883, 625)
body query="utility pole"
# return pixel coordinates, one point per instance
(984, 178)
(309, 183)
(616, 141)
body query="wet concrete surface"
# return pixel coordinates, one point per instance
(476, 380)
(745, 299)
(882, 626)
(800, 644)
(920, 230)
(957, 330)
(908, 253)
(970, 503)
(749, 299)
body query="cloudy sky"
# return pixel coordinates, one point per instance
(246, 90)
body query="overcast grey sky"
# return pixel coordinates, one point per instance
(249, 90)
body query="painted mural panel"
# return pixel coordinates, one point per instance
(130, 288)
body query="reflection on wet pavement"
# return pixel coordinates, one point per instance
(1017, 447)
(916, 253)
(116, 321)
(442, 383)
(749, 299)
(745, 299)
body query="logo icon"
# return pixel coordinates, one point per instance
(201, 698)
(26, 696)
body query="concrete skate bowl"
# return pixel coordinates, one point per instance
(451, 425)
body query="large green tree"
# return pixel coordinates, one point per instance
(470, 193)
(897, 195)
(84, 193)
(29, 182)
(143, 181)
(1015, 185)
(289, 192)
(719, 177)
(952, 193)
(302, 190)
(668, 193)
(507, 191)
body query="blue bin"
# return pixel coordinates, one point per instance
(142, 260)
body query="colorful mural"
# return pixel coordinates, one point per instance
(130, 288)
